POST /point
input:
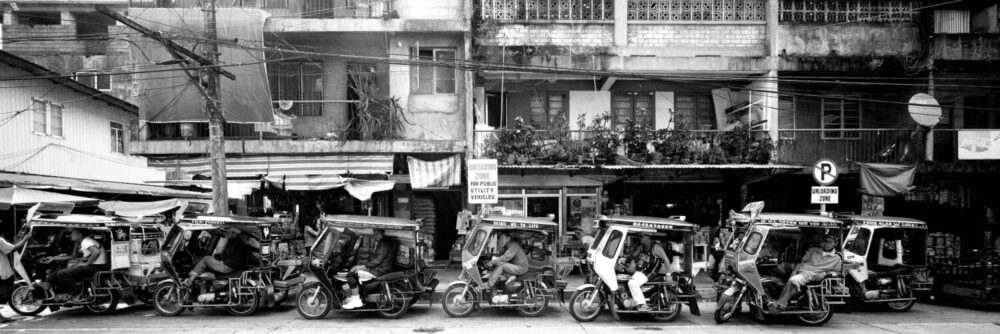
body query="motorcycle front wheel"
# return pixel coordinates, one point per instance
(585, 304)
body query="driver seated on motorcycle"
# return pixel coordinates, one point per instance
(642, 262)
(816, 263)
(92, 259)
(379, 263)
(513, 261)
(234, 255)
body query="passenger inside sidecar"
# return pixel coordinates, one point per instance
(218, 253)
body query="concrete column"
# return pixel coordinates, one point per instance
(621, 22)
(770, 84)
(771, 10)
(769, 89)
(66, 18)
(9, 17)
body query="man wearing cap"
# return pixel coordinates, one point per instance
(234, 255)
(814, 266)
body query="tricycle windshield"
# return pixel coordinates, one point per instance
(785, 247)
(476, 241)
(331, 241)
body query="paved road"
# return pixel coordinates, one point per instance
(922, 318)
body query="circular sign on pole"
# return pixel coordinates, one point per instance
(925, 110)
(825, 172)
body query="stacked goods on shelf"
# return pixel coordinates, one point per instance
(943, 245)
(423, 210)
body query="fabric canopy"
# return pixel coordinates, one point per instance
(168, 95)
(360, 189)
(287, 172)
(20, 196)
(143, 209)
(887, 180)
(93, 186)
(435, 174)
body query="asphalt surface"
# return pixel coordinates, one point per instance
(923, 318)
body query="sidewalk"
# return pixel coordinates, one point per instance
(447, 276)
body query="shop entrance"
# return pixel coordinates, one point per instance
(439, 210)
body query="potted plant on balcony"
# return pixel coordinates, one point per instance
(635, 139)
(674, 144)
(516, 144)
(603, 139)
(736, 144)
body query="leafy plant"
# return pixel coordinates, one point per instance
(635, 139)
(376, 117)
(674, 142)
(516, 144)
(603, 140)
(735, 144)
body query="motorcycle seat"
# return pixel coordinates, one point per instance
(210, 276)
(392, 276)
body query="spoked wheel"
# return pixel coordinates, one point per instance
(396, 306)
(167, 299)
(314, 301)
(103, 304)
(247, 306)
(585, 304)
(901, 306)
(726, 308)
(457, 304)
(534, 306)
(22, 302)
(815, 319)
(669, 305)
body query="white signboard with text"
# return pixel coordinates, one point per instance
(825, 195)
(978, 145)
(483, 181)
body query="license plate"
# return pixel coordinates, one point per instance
(729, 292)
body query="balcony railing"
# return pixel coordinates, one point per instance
(967, 46)
(801, 146)
(337, 9)
(546, 10)
(696, 10)
(865, 145)
(221, 4)
(842, 11)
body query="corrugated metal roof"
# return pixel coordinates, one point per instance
(94, 186)
(44, 73)
(670, 166)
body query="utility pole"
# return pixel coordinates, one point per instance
(213, 105)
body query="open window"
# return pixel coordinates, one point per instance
(430, 79)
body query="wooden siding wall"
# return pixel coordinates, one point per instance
(85, 149)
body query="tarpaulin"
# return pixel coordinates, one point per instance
(170, 97)
(143, 209)
(886, 180)
(435, 174)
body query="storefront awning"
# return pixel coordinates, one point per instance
(290, 170)
(93, 186)
(435, 174)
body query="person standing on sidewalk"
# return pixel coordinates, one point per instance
(7, 271)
